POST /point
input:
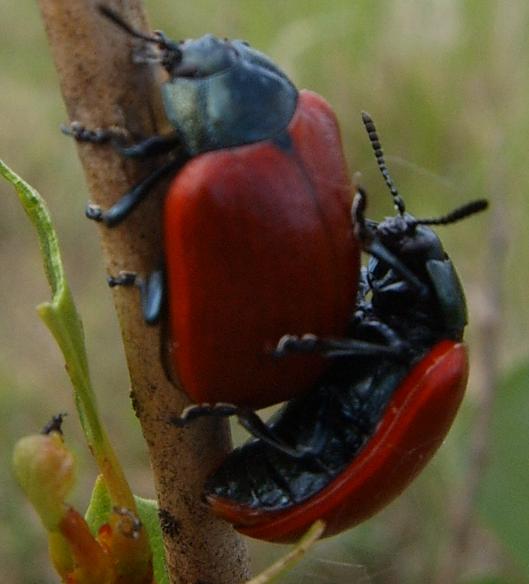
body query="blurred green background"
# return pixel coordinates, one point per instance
(447, 82)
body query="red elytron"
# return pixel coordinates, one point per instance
(416, 421)
(259, 243)
(258, 237)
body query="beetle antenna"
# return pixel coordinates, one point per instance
(157, 39)
(379, 155)
(457, 214)
(121, 23)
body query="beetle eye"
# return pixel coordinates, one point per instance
(170, 59)
(411, 228)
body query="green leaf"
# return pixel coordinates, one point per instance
(148, 512)
(100, 508)
(61, 317)
(504, 499)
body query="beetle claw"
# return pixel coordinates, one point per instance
(287, 344)
(123, 279)
(81, 133)
(94, 212)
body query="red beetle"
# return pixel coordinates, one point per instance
(259, 243)
(352, 444)
(258, 235)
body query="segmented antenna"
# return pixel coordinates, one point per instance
(379, 155)
(157, 39)
(121, 23)
(457, 214)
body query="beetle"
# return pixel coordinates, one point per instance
(258, 237)
(352, 444)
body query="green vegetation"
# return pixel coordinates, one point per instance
(446, 82)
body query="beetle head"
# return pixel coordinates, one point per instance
(224, 93)
(220, 93)
(408, 238)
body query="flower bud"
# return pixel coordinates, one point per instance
(44, 469)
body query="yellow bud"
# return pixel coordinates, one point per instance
(45, 470)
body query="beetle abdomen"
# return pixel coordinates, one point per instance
(366, 463)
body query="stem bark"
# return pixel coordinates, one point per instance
(102, 87)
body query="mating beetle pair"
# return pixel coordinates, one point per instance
(260, 248)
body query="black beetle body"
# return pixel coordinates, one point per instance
(355, 441)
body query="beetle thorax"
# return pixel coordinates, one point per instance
(223, 94)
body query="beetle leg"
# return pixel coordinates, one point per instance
(248, 420)
(129, 201)
(81, 133)
(380, 251)
(278, 478)
(365, 230)
(381, 329)
(333, 347)
(358, 214)
(195, 411)
(152, 291)
(152, 146)
(117, 138)
(258, 429)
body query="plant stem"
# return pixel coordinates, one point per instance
(101, 88)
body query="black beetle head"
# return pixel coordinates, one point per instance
(201, 58)
(220, 93)
(408, 238)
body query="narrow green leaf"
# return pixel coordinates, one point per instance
(61, 317)
(309, 538)
(148, 512)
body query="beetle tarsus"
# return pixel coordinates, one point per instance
(120, 139)
(152, 291)
(123, 279)
(81, 133)
(293, 344)
(195, 411)
(248, 420)
(94, 213)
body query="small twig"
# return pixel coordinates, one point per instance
(293, 557)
